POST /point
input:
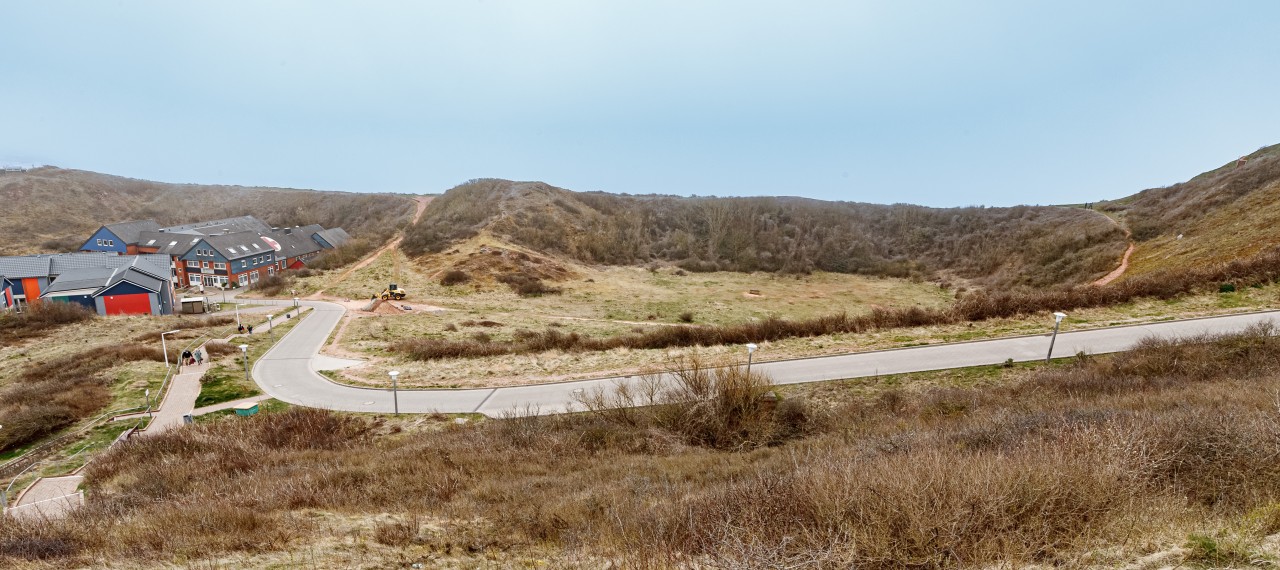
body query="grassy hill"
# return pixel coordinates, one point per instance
(1024, 245)
(49, 209)
(1226, 214)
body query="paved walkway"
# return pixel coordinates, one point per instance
(49, 497)
(180, 400)
(288, 371)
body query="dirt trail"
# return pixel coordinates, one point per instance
(421, 205)
(1124, 261)
(1115, 274)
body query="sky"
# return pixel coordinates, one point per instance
(943, 103)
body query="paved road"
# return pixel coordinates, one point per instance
(287, 372)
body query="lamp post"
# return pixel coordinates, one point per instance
(1057, 320)
(271, 333)
(296, 310)
(395, 390)
(751, 349)
(244, 350)
(165, 348)
(237, 314)
(148, 394)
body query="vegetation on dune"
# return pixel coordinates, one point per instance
(52, 395)
(1177, 208)
(88, 200)
(1088, 462)
(40, 320)
(972, 307)
(1031, 246)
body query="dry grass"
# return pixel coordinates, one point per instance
(40, 320)
(55, 394)
(1090, 463)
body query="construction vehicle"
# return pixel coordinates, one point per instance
(393, 292)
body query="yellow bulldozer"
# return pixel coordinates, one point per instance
(393, 292)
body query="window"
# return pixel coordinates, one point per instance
(194, 279)
(152, 242)
(271, 270)
(253, 277)
(244, 263)
(193, 263)
(244, 279)
(111, 242)
(219, 265)
(99, 242)
(206, 264)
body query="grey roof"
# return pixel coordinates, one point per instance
(294, 243)
(169, 243)
(56, 264)
(336, 236)
(128, 231)
(24, 266)
(98, 279)
(223, 226)
(239, 245)
(138, 278)
(89, 278)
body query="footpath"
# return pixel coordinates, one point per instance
(53, 497)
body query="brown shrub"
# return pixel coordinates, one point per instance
(454, 277)
(52, 395)
(39, 320)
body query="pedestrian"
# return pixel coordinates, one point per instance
(251, 329)
(186, 357)
(241, 329)
(199, 357)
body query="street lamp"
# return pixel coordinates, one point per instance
(395, 389)
(165, 348)
(751, 349)
(148, 394)
(244, 350)
(237, 314)
(296, 311)
(1057, 320)
(270, 333)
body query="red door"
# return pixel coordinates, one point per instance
(135, 304)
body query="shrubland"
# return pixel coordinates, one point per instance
(1092, 462)
(1019, 246)
(974, 306)
(88, 200)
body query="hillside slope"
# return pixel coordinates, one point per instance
(51, 208)
(1225, 214)
(1030, 246)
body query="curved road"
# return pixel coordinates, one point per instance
(287, 373)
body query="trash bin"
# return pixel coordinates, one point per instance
(188, 419)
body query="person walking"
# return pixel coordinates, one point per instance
(251, 329)
(199, 357)
(240, 329)
(186, 358)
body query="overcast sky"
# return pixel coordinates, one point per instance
(938, 103)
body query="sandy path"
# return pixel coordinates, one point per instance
(421, 205)
(1115, 274)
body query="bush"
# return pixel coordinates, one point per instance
(1227, 288)
(527, 285)
(40, 319)
(273, 285)
(686, 317)
(454, 277)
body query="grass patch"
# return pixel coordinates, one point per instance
(225, 381)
